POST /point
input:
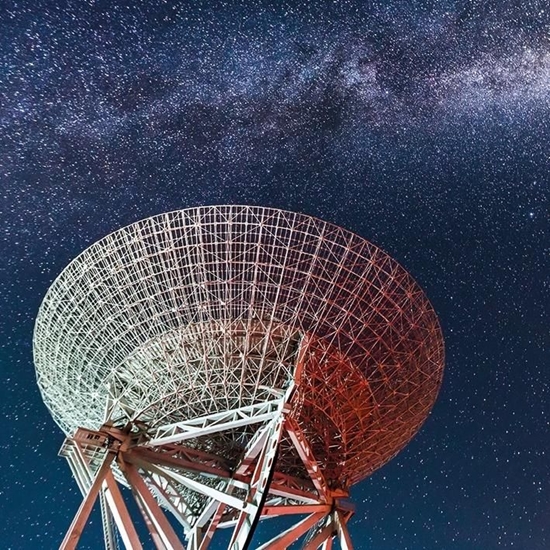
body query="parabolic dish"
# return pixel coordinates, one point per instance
(205, 309)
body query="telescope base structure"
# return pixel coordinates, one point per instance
(165, 471)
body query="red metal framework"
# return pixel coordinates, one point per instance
(232, 363)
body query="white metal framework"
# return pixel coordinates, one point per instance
(232, 363)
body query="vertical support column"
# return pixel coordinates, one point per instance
(242, 535)
(342, 528)
(120, 513)
(109, 535)
(83, 481)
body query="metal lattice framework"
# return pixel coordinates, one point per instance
(232, 363)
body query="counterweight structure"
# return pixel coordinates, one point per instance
(230, 364)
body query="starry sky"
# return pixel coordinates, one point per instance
(423, 126)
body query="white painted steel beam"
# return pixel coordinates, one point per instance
(343, 533)
(194, 485)
(107, 519)
(263, 471)
(120, 513)
(214, 423)
(179, 510)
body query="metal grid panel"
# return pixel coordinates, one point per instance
(203, 310)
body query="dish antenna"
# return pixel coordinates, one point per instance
(230, 364)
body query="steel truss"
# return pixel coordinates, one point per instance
(168, 353)
(200, 491)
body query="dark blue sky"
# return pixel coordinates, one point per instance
(422, 126)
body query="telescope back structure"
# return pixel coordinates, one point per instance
(230, 364)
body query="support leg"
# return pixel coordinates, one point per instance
(343, 533)
(244, 530)
(75, 530)
(107, 519)
(162, 527)
(120, 513)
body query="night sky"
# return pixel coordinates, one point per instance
(422, 126)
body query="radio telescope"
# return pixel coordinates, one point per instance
(230, 364)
